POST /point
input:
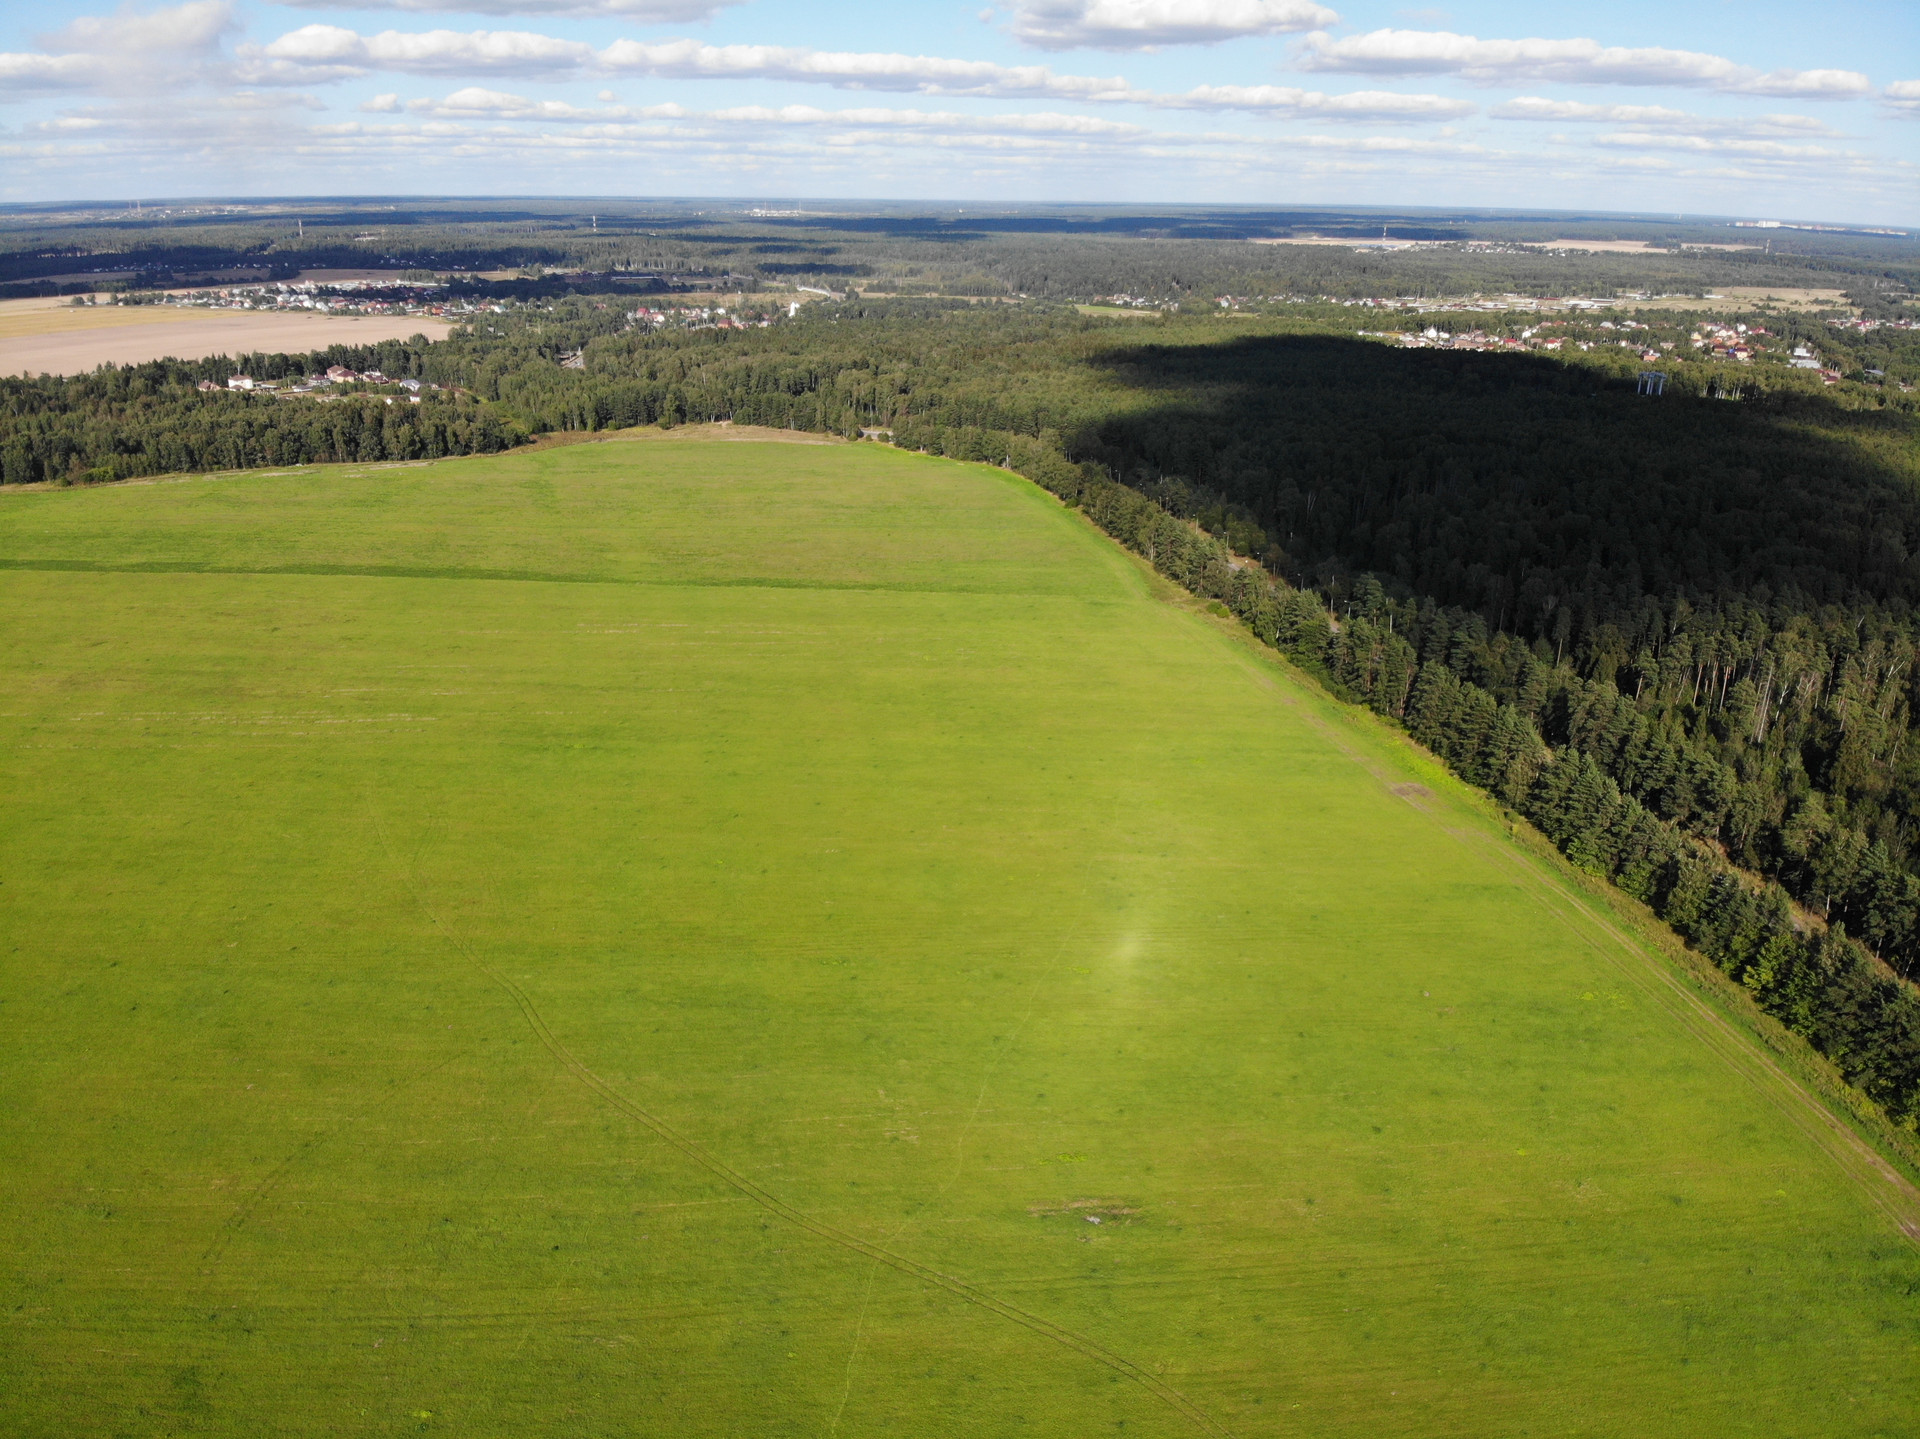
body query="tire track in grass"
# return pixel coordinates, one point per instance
(1888, 1190)
(269, 1184)
(772, 1203)
(255, 1198)
(959, 1163)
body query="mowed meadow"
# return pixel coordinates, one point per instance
(669, 938)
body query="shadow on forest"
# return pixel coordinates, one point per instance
(1503, 482)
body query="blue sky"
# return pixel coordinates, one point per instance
(1745, 107)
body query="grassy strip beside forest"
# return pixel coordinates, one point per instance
(1821, 984)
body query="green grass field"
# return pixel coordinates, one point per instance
(686, 939)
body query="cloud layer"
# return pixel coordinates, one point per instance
(1150, 24)
(477, 101)
(198, 26)
(1280, 100)
(320, 53)
(1656, 117)
(1571, 62)
(176, 94)
(171, 47)
(22, 75)
(329, 52)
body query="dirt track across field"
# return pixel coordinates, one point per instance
(53, 337)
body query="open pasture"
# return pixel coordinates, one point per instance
(53, 337)
(712, 940)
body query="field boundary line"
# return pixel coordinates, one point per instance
(773, 1204)
(539, 577)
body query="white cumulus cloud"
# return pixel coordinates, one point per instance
(328, 51)
(477, 103)
(1904, 97)
(30, 74)
(196, 27)
(171, 47)
(1655, 117)
(1080, 127)
(1149, 24)
(521, 52)
(856, 70)
(319, 52)
(1714, 145)
(1281, 100)
(1576, 62)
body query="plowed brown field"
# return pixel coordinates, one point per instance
(56, 338)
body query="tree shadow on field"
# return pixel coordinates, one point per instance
(1500, 481)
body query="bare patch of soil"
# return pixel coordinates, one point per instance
(55, 338)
